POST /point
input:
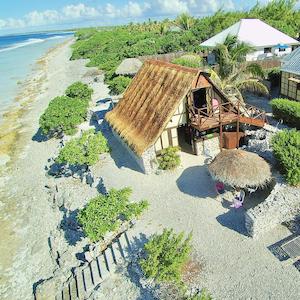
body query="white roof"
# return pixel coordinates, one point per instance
(254, 32)
(291, 62)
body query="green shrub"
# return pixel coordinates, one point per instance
(286, 147)
(166, 255)
(169, 158)
(273, 75)
(63, 115)
(188, 60)
(118, 84)
(79, 90)
(287, 110)
(105, 213)
(84, 150)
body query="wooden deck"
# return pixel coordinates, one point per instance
(227, 114)
(205, 123)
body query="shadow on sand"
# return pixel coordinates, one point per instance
(39, 136)
(134, 272)
(233, 219)
(197, 182)
(70, 226)
(118, 153)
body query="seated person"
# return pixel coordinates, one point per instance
(220, 188)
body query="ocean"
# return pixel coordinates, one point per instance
(18, 54)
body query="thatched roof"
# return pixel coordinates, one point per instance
(240, 168)
(150, 101)
(129, 66)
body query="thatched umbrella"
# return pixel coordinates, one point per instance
(129, 66)
(240, 169)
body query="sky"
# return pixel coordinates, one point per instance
(31, 15)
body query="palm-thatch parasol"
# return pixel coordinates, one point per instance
(129, 66)
(241, 169)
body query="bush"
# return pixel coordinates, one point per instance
(118, 84)
(166, 255)
(169, 158)
(79, 90)
(105, 213)
(286, 147)
(84, 150)
(273, 75)
(189, 60)
(63, 115)
(287, 110)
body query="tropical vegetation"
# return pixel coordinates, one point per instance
(188, 60)
(85, 150)
(169, 158)
(64, 113)
(105, 213)
(107, 47)
(166, 255)
(286, 147)
(235, 75)
(79, 90)
(287, 110)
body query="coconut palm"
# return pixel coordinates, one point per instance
(185, 21)
(235, 75)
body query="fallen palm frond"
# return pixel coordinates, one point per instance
(253, 85)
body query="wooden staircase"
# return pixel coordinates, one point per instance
(89, 277)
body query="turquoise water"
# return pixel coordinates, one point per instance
(18, 55)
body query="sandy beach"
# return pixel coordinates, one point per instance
(234, 265)
(26, 216)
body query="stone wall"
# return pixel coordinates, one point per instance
(209, 147)
(147, 162)
(282, 205)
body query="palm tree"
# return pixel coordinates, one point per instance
(185, 21)
(235, 75)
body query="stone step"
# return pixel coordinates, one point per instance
(59, 296)
(117, 253)
(124, 245)
(89, 276)
(130, 237)
(80, 285)
(109, 258)
(73, 289)
(88, 283)
(95, 272)
(66, 292)
(102, 266)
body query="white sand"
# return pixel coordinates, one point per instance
(236, 267)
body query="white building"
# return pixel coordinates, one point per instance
(267, 40)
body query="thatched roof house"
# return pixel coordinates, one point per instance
(129, 66)
(155, 105)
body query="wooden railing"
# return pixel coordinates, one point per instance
(201, 116)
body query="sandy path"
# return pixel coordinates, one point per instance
(235, 266)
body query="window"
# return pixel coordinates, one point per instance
(267, 50)
(281, 49)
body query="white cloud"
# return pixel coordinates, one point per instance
(79, 11)
(132, 9)
(172, 6)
